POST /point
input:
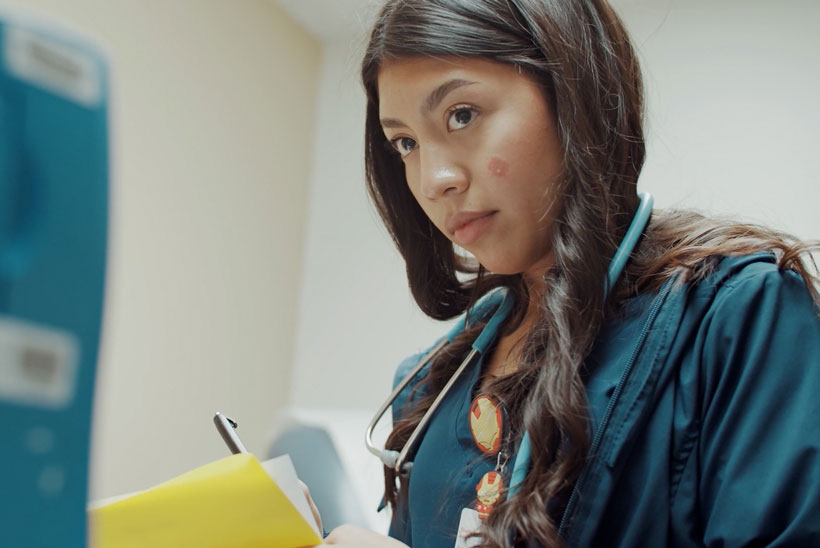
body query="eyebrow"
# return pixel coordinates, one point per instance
(432, 101)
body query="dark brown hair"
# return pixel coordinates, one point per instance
(580, 54)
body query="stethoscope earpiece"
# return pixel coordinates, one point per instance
(389, 458)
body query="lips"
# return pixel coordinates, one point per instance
(467, 226)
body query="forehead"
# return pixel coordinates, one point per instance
(408, 81)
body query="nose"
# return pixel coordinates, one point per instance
(441, 174)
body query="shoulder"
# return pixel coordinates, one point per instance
(738, 336)
(759, 351)
(407, 368)
(741, 296)
(749, 334)
(738, 287)
(754, 272)
(746, 309)
(408, 364)
(403, 371)
(751, 292)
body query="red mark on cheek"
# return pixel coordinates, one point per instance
(498, 167)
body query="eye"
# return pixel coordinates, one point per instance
(403, 145)
(460, 116)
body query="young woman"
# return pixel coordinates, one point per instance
(674, 405)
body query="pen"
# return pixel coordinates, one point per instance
(227, 429)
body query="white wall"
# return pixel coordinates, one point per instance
(212, 119)
(733, 122)
(353, 277)
(356, 316)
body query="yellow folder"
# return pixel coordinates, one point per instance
(233, 502)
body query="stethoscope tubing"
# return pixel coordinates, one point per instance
(388, 457)
(616, 266)
(404, 468)
(396, 459)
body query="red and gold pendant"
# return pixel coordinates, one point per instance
(488, 492)
(486, 424)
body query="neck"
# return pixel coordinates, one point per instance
(508, 350)
(537, 288)
(534, 278)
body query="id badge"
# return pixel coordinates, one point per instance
(469, 523)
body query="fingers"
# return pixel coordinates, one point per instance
(316, 516)
(340, 534)
(350, 536)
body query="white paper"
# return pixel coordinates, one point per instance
(469, 523)
(283, 473)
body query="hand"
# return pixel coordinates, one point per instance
(355, 537)
(313, 508)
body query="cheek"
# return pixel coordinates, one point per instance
(497, 167)
(426, 206)
(411, 180)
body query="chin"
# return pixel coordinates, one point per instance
(503, 271)
(502, 267)
(509, 266)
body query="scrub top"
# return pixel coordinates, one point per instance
(449, 465)
(703, 404)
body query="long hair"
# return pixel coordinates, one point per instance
(580, 54)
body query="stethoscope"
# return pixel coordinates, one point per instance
(502, 302)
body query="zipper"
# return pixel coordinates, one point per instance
(599, 434)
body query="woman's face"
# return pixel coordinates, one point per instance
(481, 154)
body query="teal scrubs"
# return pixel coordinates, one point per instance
(447, 468)
(704, 404)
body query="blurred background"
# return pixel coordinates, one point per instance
(249, 274)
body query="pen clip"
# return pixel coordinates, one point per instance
(227, 429)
